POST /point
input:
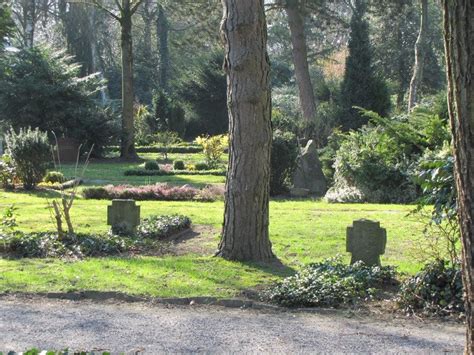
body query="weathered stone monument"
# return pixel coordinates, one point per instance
(308, 173)
(123, 216)
(366, 241)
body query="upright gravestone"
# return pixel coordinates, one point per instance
(309, 174)
(366, 241)
(123, 216)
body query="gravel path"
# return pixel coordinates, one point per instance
(129, 327)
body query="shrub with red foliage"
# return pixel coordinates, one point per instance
(162, 192)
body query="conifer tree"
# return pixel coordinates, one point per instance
(361, 87)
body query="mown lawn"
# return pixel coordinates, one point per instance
(101, 173)
(302, 231)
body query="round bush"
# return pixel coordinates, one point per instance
(54, 177)
(201, 166)
(152, 165)
(178, 165)
(30, 152)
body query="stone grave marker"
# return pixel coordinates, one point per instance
(366, 241)
(309, 174)
(123, 215)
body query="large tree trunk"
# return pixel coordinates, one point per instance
(162, 29)
(459, 45)
(420, 52)
(127, 148)
(300, 62)
(245, 230)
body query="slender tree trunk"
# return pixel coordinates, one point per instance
(245, 230)
(162, 28)
(459, 45)
(300, 62)
(127, 149)
(401, 66)
(420, 52)
(96, 67)
(147, 16)
(29, 22)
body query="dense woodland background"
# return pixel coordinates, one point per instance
(364, 79)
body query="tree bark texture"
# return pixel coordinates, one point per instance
(300, 61)
(95, 56)
(246, 217)
(420, 52)
(162, 29)
(459, 45)
(28, 21)
(127, 148)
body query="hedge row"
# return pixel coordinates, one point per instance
(144, 172)
(172, 149)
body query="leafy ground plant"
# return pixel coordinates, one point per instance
(159, 227)
(435, 290)
(330, 283)
(45, 245)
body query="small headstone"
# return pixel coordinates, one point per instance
(309, 174)
(123, 215)
(366, 241)
(68, 149)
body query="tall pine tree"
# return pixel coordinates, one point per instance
(361, 86)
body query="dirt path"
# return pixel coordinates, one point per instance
(128, 327)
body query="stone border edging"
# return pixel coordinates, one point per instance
(175, 301)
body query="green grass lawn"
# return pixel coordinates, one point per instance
(302, 231)
(100, 173)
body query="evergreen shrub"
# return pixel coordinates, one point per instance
(31, 153)
(283, 161)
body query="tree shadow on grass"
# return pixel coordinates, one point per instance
(38, 192)
(273, 266)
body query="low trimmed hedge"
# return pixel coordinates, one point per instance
(144, 172)
(172, 149)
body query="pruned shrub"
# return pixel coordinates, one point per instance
(178, 165)
(201, 166)
(160, 192)
(159, 227)
(436, 290)
(30, 152)
(330, 284)
(152, 165)
(54, 177)
(283, 161)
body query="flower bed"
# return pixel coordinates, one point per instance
(159, 192)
